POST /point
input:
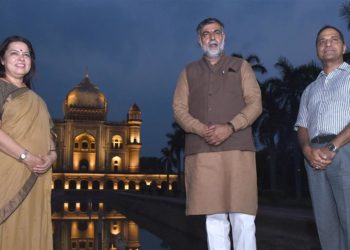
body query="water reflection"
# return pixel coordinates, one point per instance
(91, 225)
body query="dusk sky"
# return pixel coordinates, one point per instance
(134, 50)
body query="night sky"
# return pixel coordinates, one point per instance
(134, 50)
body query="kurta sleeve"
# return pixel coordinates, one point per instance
(181, 108)
(252, 99)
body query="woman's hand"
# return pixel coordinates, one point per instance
(32, 161)
(46, 163)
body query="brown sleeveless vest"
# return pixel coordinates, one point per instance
(216, 97)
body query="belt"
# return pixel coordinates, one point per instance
(322, 139)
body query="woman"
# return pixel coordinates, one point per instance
(27, 152)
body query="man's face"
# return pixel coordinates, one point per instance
(330, 47)
(212, 40)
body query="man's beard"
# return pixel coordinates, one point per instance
(213, 53)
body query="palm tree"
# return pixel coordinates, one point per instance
(254, 61)
(345, 13)
(281, 98)
(167, 160)
(176, 143)
(175, 151)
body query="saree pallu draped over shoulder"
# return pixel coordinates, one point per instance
(25, 199)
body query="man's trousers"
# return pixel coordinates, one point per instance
(243, 231)
(330, 193)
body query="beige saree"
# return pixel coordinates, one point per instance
(28, 226)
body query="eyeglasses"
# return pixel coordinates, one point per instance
(17, 53)
(332, 41)
(215, 33)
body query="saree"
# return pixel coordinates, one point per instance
(24, 197)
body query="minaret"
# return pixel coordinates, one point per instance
(134, 140)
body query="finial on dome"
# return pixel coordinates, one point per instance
(86, 72)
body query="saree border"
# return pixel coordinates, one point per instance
(16, 200)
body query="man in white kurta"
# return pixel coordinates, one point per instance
(216, 101)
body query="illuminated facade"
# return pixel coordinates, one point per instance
(96, 154)
(89, 143)
(93, 153)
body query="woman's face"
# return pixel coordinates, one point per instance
(17, 61)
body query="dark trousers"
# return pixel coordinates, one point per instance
(330, 194)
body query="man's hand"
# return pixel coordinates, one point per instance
(217, 133)
(327, 154)
(319, 158)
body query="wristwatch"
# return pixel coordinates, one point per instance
(331, 147)
(23, 155)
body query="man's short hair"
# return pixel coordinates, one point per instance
(206, 21)
(330, 27)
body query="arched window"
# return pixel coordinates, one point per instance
(84, 142)
(84, 165)
(85, 145)
(58, 184)
(121, 185)
(95, 206)
(117, 141)
(96, 185)
(84, 184)
(109, 185)
(84, 153)
(116, 164)
(153, 187)
(83, 206)
(72, 184)
(164, 186)
(132, 185)
(71, 206)
(174, 187)
(143, 186)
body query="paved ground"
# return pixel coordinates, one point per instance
(286, 229)
(278, 228)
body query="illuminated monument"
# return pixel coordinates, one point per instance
(89, 143)
(96, 155)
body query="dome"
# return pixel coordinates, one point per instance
(85, 102)
(86, 95)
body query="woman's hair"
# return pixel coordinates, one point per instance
(3, 48)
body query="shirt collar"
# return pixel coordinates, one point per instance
(344, 67)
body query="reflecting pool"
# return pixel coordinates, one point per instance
(86, 224)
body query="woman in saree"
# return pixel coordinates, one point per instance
(27, 153)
